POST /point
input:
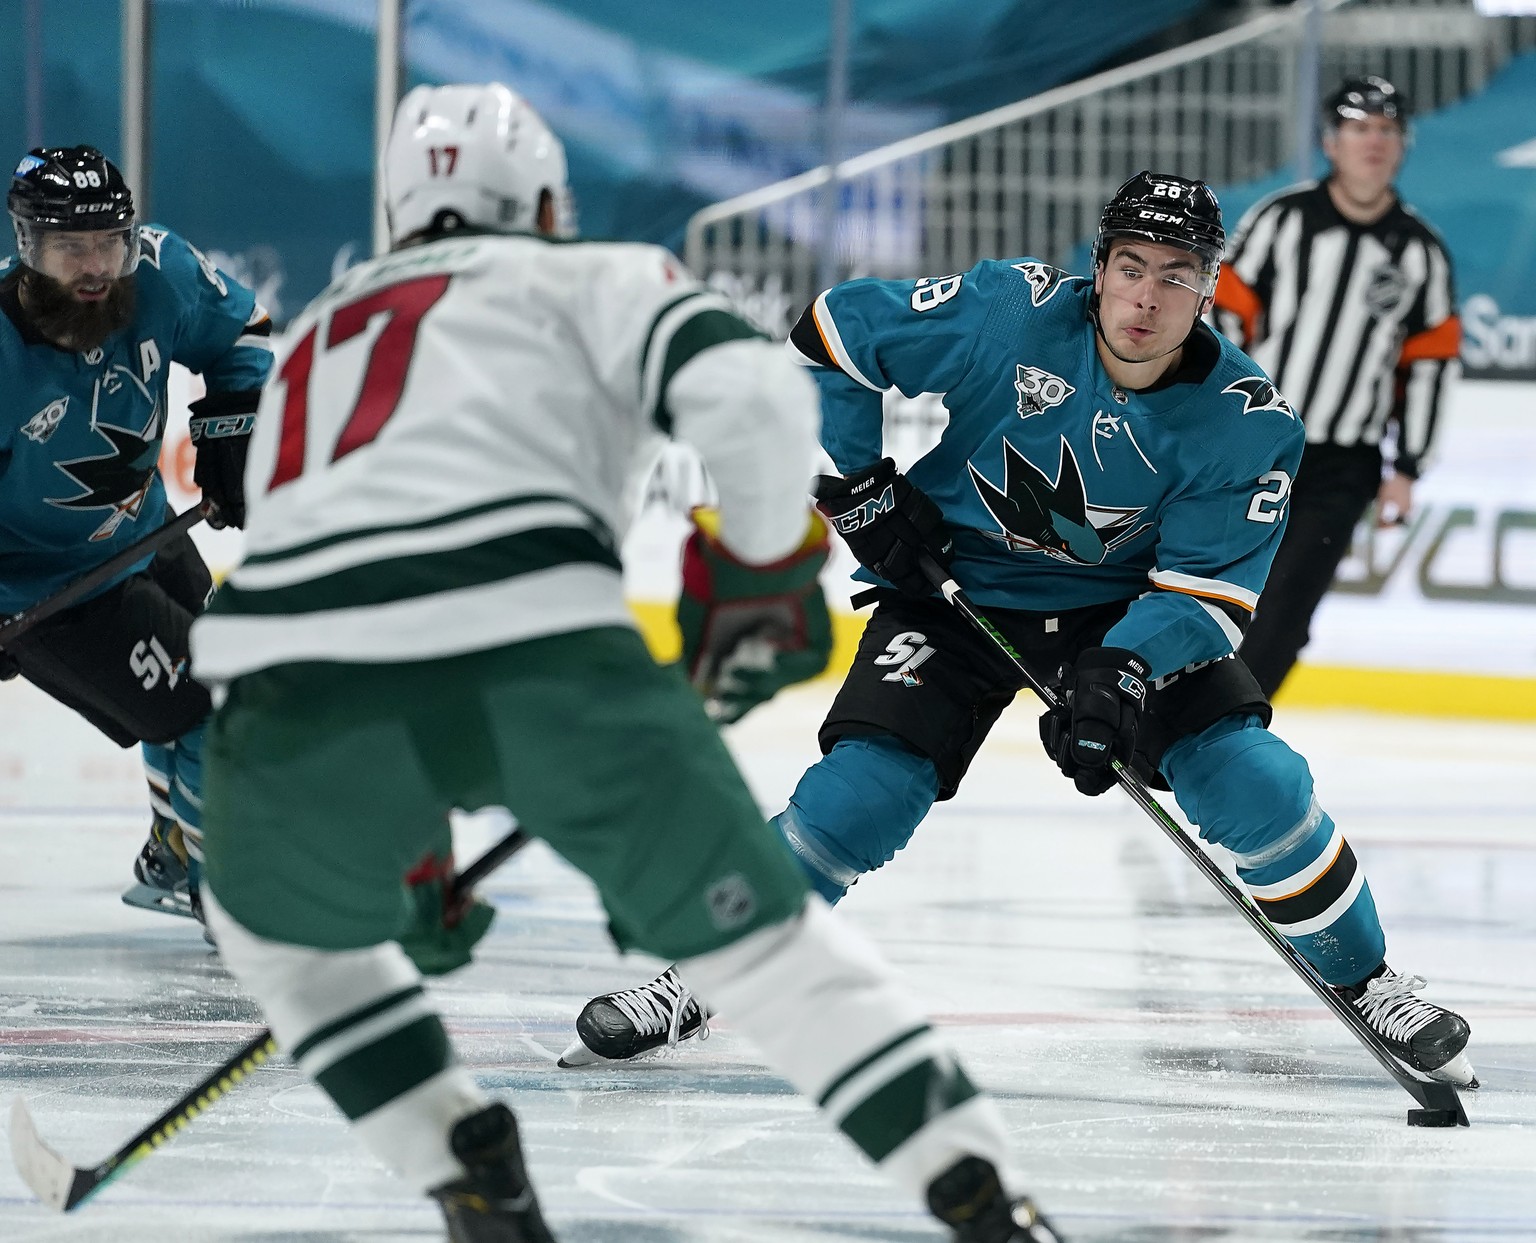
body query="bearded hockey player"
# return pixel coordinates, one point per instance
(94, 309)
(1110, 487)
(431, 616)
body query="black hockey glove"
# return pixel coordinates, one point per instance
(221, 426)
(1097, 717)
(887, 522)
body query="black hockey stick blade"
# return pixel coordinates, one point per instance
(97, 575)
(1429, 1092)
(63, 1186)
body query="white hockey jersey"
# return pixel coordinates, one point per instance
(440, 459)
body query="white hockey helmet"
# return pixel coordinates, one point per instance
(479, 152)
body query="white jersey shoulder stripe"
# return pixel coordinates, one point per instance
(1210, 588)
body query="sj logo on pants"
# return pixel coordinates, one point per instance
(907, 651)
(149, 661)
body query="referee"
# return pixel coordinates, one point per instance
(1344, 296)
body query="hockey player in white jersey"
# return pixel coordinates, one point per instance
(430, 615)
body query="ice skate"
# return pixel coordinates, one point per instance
(161, 873)
(969, 1199)
(1418, 1032)
(494, 1201)
(618, 1027)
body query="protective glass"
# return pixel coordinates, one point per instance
(70, 255)
(1123, 277)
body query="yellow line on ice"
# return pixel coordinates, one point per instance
(1410, 691)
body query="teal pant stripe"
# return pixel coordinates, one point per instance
(370, 1077)
(866, 1062)
(893, 1113)
(351, 1020)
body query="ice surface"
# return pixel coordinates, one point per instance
(1164, 1075)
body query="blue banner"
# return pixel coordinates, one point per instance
(261, 111)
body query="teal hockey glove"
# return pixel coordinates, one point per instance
(751, 630)
(1097, 718)
(441, 932)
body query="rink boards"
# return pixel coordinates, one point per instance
(1431, 618)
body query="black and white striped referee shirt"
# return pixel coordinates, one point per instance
(1356, 323)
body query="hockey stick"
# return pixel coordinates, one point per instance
(97, 575)
(63, 1186)
(1432, 1094)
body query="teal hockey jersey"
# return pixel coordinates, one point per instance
(1062, 489)
(80, 432)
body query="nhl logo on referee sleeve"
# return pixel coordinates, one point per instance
(1259, 394)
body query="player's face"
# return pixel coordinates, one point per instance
(85, 265)
(1149, 298)
(1366, 153)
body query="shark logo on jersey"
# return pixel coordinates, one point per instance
(1044, 280)
(46, 421)
(1259, 394)
(1039, 390)
(118, 481)
(150, 241)
(1037, 515)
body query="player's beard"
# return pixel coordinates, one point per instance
(67, 321)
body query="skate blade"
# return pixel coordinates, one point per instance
(1457, 1071)
(148, 898)
(579, 1055)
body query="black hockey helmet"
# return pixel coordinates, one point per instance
(69, 190)
(1368, 96)
(1171, 210)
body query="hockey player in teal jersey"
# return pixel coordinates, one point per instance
(94, 309)
(1110, 487)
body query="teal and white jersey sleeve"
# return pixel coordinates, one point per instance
(866, 336)
(1215, 541)
(222, 332)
